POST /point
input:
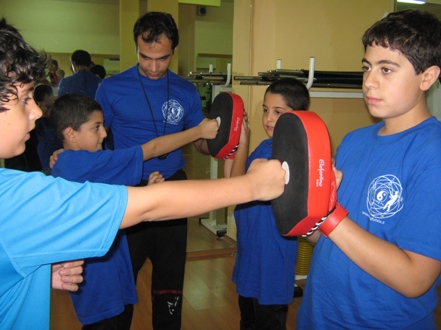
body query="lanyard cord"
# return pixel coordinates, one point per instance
(150, 108)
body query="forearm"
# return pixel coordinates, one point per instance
(168, 143)
(240, 160)
(202, 146)
(154, 203)
(265, 180)
(408, 273)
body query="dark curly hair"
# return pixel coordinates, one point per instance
(415, 34)
(153, 24)
(19, 62)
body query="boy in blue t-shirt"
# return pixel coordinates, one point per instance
(378, 267)
(264, 271)
(46, 220)
(109, 291)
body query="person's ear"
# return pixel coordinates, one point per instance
(70, 134)
(430, 75)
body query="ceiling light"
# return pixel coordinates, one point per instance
(416, 2)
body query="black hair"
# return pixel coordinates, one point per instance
(415, 34)
(81, 57)
(152, 25)
(41, 91)
(19, 62)
(294, 92)
(54, 62)
(71, 110)
(99, 70)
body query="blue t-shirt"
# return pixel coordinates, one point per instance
(109, 283)
(127, 112)
(265, 260)
(392, 188)
(43, 221)
(47, 142)
(82, 82)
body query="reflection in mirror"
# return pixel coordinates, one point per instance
(110, 62)
(218, 62)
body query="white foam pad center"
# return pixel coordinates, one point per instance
(285, 166)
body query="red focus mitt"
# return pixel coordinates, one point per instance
(301, 139)
(228, 108)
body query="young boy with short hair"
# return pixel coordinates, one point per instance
(378, 267)
(264, 271)
(108, 293)
(46, 220)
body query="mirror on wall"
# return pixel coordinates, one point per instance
(110, 62)
(218, 61)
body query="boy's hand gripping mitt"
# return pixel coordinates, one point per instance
(301, 141)
(229, 110)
